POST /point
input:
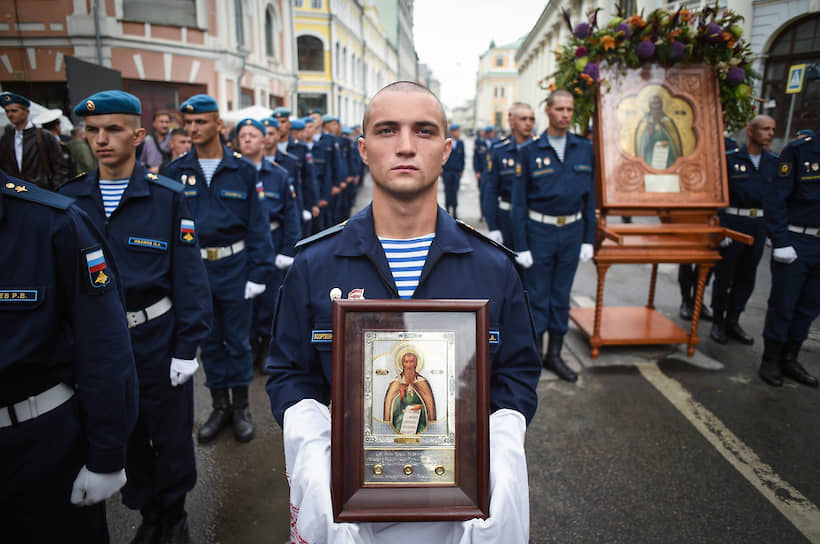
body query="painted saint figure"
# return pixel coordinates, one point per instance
(409, 404)
(657, 140)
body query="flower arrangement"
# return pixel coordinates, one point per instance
(709, 36)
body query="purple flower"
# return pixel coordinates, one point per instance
(582, 30)
(625, 28)
(678, 49)
(645, 50)
(714, 33)
(580, 52)
(736, 75)
(592, 70)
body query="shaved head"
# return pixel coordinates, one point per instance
(405, 87)
(760, 119)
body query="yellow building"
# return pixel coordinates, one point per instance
(496, 85)
(343, 56)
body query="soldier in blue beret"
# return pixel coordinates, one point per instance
(28, 152)
(327, 160)
(234, 233)
(68, 387)
(342, 202)
(452, 170)
(297, 124)
(153, 237)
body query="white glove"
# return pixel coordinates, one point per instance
(785, 255)
(306, 215)
(496, 236)
(182, 370)
(283, 261)
(725, 242)
(253, 289)
(524, 258)
(92, 487)
(586, 252)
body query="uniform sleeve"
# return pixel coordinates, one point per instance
(294, 366)
(775, 207)
(589, 204)
(516, 367)
(490, 201)
(518, 214)
(190, 287)
(258, 241)
(339, 164)
(476, 155)
(104, 368)
(292, 222)
(309, 189)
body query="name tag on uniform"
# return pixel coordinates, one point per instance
(321, 336)
(542, 172)
(191, 192)
(271, 194)
(18, 296)
(582, 168)
(147, 242)
(233, 194)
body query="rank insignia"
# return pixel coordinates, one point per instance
(785, 169)
(97, 269)
(152, 176)
(9, 185)
(187, 231)
(356, 294)
(815, 167)
(517, 169)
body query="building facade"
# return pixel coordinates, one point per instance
(496, 85)
(239, 51)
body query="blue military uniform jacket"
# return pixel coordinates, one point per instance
(794, 197)
(306, 173)
(153, 238)
(455, 162)
(62, 317)
(352, 258)
(226, 212)
(503, 169)
(480, 156)
(552, 187)
(749, 185)
(328, 160)
(281, 205)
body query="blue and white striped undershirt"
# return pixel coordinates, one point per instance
(111, 191)
(209, 166)
(406, 259)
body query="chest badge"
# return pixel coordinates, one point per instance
(335, 294)
(815, 167)
(356, 294)
(742, 167)
(191, 180)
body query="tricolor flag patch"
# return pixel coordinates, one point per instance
(187, 231)
(260, 190)
(97, 271)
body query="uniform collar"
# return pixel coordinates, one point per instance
(229, 159)
(544, 140)
(137, 186)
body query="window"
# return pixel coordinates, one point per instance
(240, 22)
(316, 4)
(161, 12)
(498, 117)
(498, 92)
(309, 101)
(499, 60)
(272, 32)
(311, 53)
(299, 3)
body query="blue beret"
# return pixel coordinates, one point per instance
(269, 122)
(347, 130)
(11, 98)
(455, 126)
(251, 122)
(308, 119)
(106, 102)
(281, 112)
(316, 110)
(804, 133)
(199, 103)
(328, 118)
(489, 128)
(297, 124)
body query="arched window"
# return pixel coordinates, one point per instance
(240, 22)
(311, 53)
(273, 32)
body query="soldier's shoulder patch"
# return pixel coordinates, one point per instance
(162, 181)
(99, 275)
(320, 235)
(784, 169)
(469, 228)
(32, 193)
(187, 230)
(79, 175)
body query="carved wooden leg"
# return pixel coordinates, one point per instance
(595, 340)
(651, 302)
(703, 272)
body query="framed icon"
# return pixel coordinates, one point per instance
(410, 410)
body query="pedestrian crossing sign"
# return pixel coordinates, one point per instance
(797, 72)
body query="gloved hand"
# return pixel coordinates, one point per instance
(92, 487)
(282, 261)
(785, 255)
(182, 370)
(495, 236)
(524, 258)
(586, 252)
(306, 215)
(725, 242)
(253, 289)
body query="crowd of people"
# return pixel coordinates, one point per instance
(228, 245)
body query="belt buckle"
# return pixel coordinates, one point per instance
(753, 212)
(561, 220)
(212, 253)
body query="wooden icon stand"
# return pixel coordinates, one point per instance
(660, 153)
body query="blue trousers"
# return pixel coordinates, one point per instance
(39, 460)
(262, 315)
(451, 182)
(548, 281)
(794, 301)
(505, 226)
(226, 353)
(735, 274)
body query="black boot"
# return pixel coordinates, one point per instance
(243, 427)
(734, 330)
(175, 524)
(687, 302)
(260, 352)
(149, 530)
(705, 312)
(791, 368)
(718, 332)
(770, 365)
(553, 360)
(219, 418)
(455, 215)
(539, 345)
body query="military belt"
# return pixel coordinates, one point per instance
(160, 307)
(745, 212)
(557, 220)
(504, 205)
(35, 406)
(274, 225)
(216, 253)
(812, 231)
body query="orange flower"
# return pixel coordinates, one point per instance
(608, 42)
(728, 36)
(685, 15)
(551, 86)
(636, 20)
(578, 91)
(593, 40)
(675, 33)
(731, 43)
(587, 79)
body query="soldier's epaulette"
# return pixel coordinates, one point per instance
(510, 253)
(800, 141)
(81, 174)
(237, 155)
(735, 150)
(177, 159)
(31, 192)
(535, 138)
(304, 242)
(162, 181)
(280, 167)
(292, 156)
